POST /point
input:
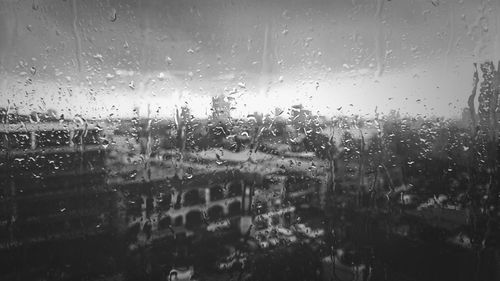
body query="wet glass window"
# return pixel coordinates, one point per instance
(250, 140)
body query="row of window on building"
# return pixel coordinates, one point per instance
(48, 139)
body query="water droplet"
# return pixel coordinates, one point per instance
(113, 15)
(133, 174)
(99, 57)
(161, 76)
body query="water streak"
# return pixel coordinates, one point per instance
(78, 40)
(379, 40)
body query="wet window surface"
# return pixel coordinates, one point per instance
(249, 140)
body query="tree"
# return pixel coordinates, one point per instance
(485, 213)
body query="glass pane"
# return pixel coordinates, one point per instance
(249, 140)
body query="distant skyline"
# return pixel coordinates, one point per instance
(112, 56)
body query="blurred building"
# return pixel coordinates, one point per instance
(281, 195)
(212, 201)
(52, 183)
(170, 207)
(221, 108)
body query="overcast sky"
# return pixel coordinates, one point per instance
(98, 58)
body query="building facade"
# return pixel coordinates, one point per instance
(52, 182)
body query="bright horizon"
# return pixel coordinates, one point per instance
(429, 92)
